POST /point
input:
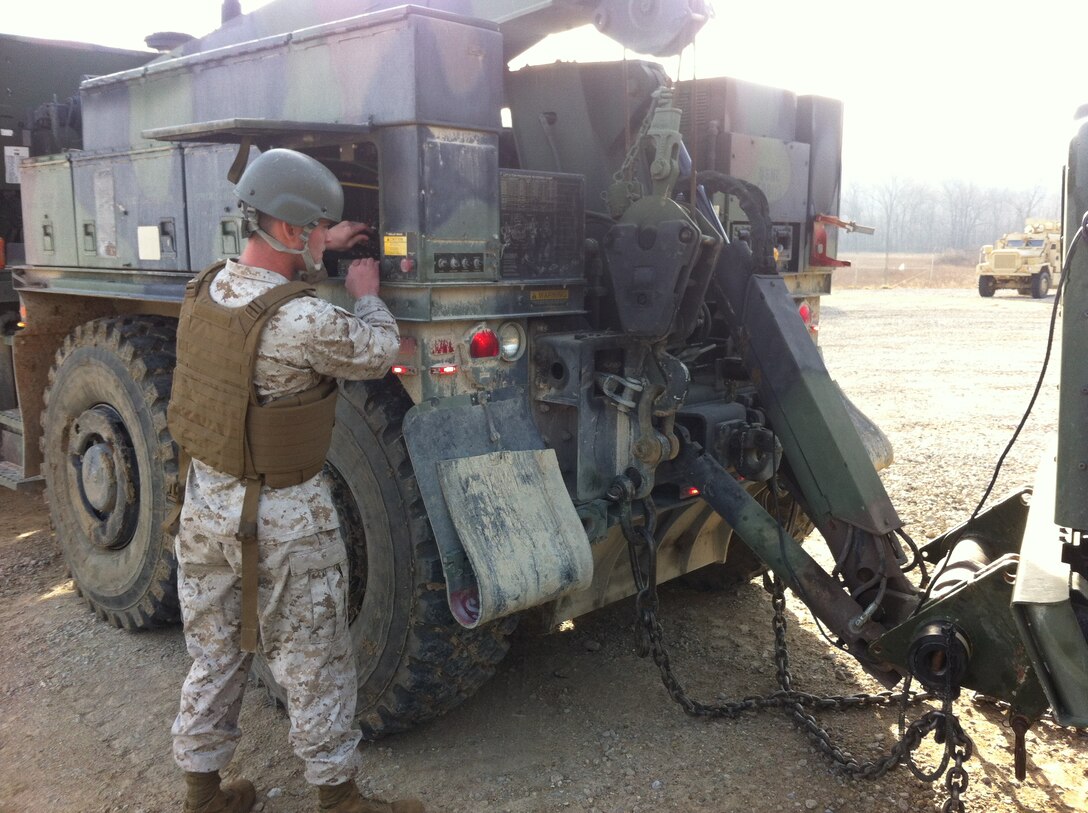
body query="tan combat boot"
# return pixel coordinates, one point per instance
(345, 798)
(206, 795)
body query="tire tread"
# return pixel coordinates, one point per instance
(145, 346)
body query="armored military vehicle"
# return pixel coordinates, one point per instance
(607, 375)
(1027, 262)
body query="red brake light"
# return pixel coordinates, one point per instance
(484, 344)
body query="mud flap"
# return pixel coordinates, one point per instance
(516, 522)
(507, 531)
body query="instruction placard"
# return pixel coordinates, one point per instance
(395, 245)
(12, 157)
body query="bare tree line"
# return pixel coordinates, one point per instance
(953, 216)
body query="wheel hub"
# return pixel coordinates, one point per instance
(99, 481)
(106, 477)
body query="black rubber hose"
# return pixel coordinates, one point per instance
(754, 204)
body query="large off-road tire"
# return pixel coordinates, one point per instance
(108, 459)
(414, 660)
(986, 286)
(1040, 284)
(741, 565)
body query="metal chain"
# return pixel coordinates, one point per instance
(955, 780)
(942, 723)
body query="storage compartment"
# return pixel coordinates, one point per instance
(48, 222)
(216, 225)
(130, 210)
(447, 70)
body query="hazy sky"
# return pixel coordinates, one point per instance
(974, 90)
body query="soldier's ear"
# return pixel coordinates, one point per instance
(289, 235)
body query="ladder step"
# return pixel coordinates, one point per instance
(12, 419)
(11, 476)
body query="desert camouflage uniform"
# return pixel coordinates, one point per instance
(302, 573)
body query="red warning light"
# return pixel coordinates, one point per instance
(807, 316)
(484, 345)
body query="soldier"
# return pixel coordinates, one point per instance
(260, 559)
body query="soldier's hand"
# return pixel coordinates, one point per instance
(346, 235)
(362, 278)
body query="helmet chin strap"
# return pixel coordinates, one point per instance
(315, 270)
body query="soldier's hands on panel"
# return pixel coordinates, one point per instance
(347, 234)
(362, 278)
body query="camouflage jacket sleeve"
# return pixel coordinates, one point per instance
(356, 346)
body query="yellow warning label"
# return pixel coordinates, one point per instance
(550, 295)
(395, 245)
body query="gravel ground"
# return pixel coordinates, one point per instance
(575, 721)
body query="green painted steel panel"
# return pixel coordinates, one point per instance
(123, 198)
(447, 71)
(48, 218)
(1072, 475)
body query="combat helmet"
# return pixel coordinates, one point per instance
(292, 187)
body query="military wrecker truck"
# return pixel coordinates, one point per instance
(1027, 262)
(607, 375)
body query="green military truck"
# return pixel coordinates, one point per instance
(40, 113)
(568, 324)
(607, 375)
(1027, 262)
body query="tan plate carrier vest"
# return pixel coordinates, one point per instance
(215, 417)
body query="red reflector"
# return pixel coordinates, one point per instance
(806, 313)
(484, 345)
(691, 491)
(444, 369)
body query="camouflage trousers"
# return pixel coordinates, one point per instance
(303, 635)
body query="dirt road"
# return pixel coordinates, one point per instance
(575, 721)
